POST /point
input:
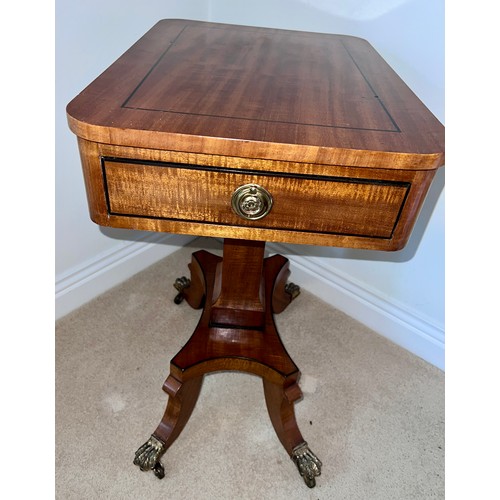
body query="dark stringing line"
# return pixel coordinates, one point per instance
(124, 105)
(375, 94)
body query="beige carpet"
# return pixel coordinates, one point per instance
(373, 413)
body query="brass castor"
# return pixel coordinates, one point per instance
(147, 457)
(180, 285)
(293, 290)
(307, 463)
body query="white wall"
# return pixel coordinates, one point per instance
(400, 295)
(90, 35)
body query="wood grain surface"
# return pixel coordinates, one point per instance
(194, 110)
(259, 93)
(319, 204)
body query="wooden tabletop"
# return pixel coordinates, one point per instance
(259, 93)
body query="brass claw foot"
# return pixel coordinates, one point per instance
(147, 457)
(293, 290)
(308, 464)
(180, 285)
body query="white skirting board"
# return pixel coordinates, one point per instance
(85, 282)
(388, 318)
(393, 320)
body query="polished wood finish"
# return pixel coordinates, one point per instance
(149, 190)
(259, 93)
(254, 348)
(319, 204)
(194, 110)
(238, 288)
(241, 344)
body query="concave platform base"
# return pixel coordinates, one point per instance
(239, 293)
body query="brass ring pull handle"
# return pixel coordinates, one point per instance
(251, 201)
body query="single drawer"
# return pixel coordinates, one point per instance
(304, 203)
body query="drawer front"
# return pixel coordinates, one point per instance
(317, 204)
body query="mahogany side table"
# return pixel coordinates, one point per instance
(251, 135)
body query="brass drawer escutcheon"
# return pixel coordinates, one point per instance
(251, 201)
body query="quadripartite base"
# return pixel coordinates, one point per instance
(239, 294)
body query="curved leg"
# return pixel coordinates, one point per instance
(239, 293)
(280, 401)
(181, 402)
